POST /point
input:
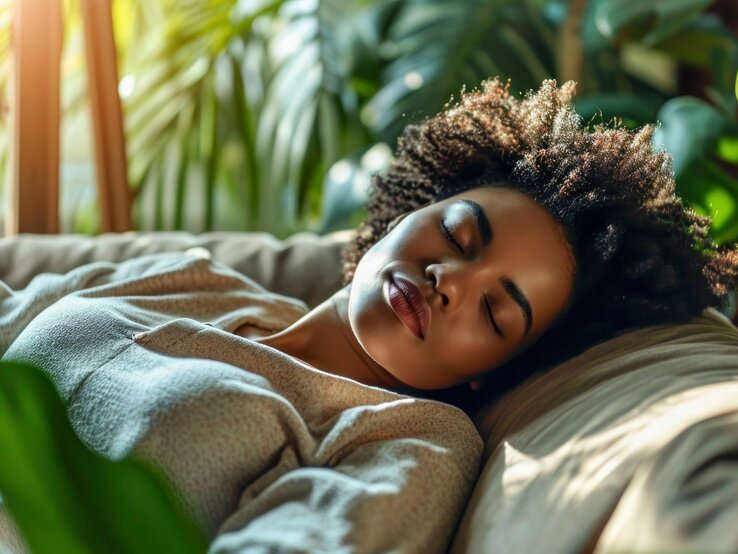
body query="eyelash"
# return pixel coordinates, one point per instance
(452, 240)
(492, 318)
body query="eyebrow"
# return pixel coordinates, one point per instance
(517, 295)
(485, 232)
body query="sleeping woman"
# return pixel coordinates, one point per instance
(503, 239)
(500, 225)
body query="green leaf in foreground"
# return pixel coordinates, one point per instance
(65, 498)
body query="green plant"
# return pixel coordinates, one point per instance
(63, 497)
(704, 144)
(702, 137)
(315, 84)
(271, 114)
(218, 125)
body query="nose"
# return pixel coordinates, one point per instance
(449, 281)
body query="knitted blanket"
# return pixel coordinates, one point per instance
(268, 453)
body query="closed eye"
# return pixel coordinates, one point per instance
(492, 318)
(450, 238)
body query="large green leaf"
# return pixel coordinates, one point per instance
(651, 20)
(187, 69)
(711, 191)
(66, 499)
(346, 186)
(690, 129)
(696, 43)
(437, 47)
(309, 117)
(697, 135)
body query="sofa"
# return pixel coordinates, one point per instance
(631, 446)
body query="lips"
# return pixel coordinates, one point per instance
(409, 304)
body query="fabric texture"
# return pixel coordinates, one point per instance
(269, 454)
(630, 447)
(304, 266)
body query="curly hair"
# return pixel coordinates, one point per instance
(642, 256)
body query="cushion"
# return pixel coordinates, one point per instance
(305, 266)
(576, 457)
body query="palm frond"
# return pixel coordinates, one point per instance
(308, 107)
(178, 68)
(437, 47)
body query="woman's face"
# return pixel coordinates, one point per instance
(460, 286)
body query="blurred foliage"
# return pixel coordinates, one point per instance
(66, 499)
(703, 141)
(272, 114)
(259, 114)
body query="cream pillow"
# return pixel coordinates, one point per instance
(577, 450)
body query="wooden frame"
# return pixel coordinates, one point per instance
(37, 40)
(33, 198)
(107, 120)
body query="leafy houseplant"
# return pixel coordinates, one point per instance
(250, 104)
(271, 114)
(66, 499)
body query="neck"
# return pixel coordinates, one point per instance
(323, 338)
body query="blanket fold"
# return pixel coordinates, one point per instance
(268, 453)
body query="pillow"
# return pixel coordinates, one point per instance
(305, 266)
(579, 448)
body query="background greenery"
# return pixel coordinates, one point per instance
(66, 499)
(271, 114)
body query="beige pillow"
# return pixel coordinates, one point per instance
(564, 450)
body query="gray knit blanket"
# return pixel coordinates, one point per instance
(268, 453)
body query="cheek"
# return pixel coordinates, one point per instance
(476, 355)
(468, 350)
